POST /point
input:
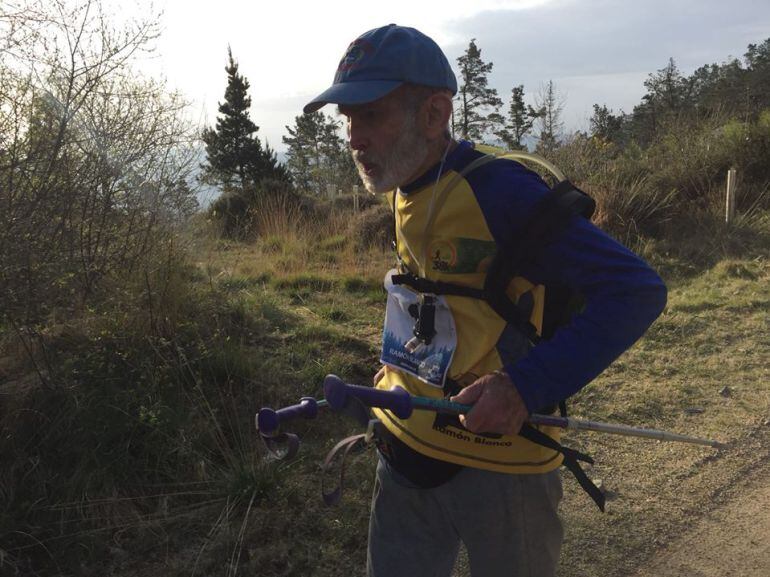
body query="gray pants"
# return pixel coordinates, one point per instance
(508, 523)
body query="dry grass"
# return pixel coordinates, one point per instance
(291, 243)
(629, 209)
(262, 325)
(713, 333)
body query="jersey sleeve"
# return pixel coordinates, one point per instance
(623, 295)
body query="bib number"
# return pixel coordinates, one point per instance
(430, 361)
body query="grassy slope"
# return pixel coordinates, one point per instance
(268, 518)
(294, 533)
(713, 334)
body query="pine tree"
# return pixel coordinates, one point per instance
(550, 105)
(668, 96)
(235, 156)
(606, 125)
(667, 89)
(758, 77)
(520, 120)
(317, 155)
(477, 103)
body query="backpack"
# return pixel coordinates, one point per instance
(551, 215)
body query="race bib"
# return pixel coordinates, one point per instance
(429, 363)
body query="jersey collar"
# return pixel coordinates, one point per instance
(432, 174)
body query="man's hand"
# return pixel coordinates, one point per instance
(497, 405)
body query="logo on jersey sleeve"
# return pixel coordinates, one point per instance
(460, 255)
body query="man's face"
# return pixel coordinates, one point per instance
(387, 145)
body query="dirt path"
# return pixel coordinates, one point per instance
(730, 541)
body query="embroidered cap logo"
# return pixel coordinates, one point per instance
(354, 54)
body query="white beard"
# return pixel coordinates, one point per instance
(402, 160)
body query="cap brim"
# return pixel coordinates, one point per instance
(352, 93)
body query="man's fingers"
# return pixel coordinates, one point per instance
(469, 394)
(476, 419)
(497, 406)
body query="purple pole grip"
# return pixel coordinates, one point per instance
(396, 400)
(268, 420)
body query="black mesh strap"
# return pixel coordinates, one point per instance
(497, 299)
(571, 458)
(424, 285)
(571, 199)
(499, 275)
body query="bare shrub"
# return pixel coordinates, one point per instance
(584, 158)
(373, 228)
(94, 162)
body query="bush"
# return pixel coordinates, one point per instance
(230, 212)
(627, 209)
(135, 419)
(678, 181)
(268, 208)
(373, 228)
(95, 161)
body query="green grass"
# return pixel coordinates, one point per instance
(309, 282)
(714, 333)
(141, 438)
(239, 283)
(336, 242)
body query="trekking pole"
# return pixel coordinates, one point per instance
(336, 392)
(615, 429)
(397, 400)
(268, 420)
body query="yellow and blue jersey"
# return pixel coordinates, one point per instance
(482, 211)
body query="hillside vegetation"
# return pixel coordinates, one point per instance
(137, 342)
(128, 432)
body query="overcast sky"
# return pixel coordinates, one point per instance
(595, 51)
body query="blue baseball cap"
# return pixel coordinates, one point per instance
(381, 60)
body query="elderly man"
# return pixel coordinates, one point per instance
(458, 214)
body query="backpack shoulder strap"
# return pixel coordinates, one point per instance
(549, 217)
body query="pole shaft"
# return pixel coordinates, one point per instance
(580, 425)
(445, 406)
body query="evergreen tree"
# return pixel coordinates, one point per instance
(667, 89)
(235, 156)
(477, 103)
(317, 155)
(719, 88)
(733, 88)
(668, 96)
(758, 77)
(520, 120)
(550, 106)
(606, 125)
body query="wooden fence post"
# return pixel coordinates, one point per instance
(730, 196)
(355, 197)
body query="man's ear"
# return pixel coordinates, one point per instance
(438, 108)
